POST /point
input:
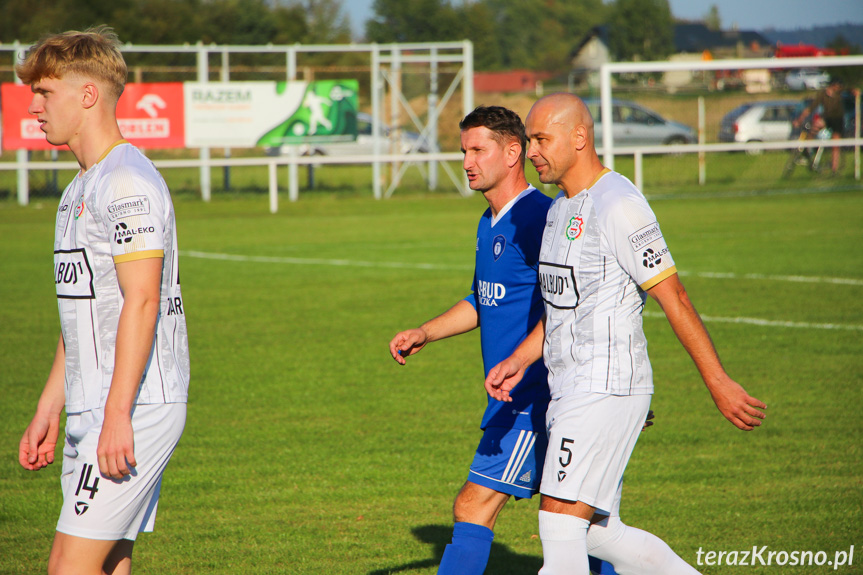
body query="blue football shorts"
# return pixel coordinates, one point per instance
(509, 461)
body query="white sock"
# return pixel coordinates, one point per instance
(564, 544)
(633, 551)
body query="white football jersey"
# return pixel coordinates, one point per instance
(600, 250)
(117, 211)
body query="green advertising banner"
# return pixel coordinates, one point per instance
(270, 114)
(327, 113)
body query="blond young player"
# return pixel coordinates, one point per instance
(121, 369)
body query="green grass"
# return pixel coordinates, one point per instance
(308, 450)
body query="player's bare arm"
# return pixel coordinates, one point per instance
(36, 449)
(505, 376)
(140, 282)
(460, 318)
(738, 407)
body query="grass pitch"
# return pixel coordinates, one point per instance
(309, 450)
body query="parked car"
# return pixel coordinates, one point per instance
(635, 125)
(410, 142)
(807, 79)
(763, 121)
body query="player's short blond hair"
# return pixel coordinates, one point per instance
(93, 54)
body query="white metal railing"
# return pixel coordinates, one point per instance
(380, 55)
(606, 70)
(272, 164)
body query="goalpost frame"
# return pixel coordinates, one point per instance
(606, 71)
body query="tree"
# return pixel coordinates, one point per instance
(540, 35)
(641, 30)
(414, 21)
(712, 19)
(850, 76)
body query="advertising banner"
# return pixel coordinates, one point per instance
(20, 129)
(149, 116)
(216, 114)
(248, 114)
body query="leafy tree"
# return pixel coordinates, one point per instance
(850, 76)
(712, 19)
(414, 21)
(641, 30)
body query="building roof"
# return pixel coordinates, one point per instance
(694, 37)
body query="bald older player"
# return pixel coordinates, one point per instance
(602, 253)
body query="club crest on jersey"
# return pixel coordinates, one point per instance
(79, 209)
(574, 228)
(498, 246)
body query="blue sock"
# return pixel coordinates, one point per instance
(468, 553)
(601, 567)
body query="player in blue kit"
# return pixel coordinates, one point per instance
(506, 303)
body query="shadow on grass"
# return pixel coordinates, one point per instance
(501, 562)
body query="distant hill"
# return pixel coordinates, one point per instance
(818, 35)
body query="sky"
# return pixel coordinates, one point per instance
(746, 14)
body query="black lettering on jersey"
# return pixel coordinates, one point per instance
(84, 482)
(175, 306)
(73, 275)
(558, 285)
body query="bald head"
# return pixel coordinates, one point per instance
(560, 133)
(567, 110)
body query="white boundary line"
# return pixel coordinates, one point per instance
(768, 323)
(318, 262)
(798, 279)
(422, 266)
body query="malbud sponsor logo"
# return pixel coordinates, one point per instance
(490, 292)
(72, 274)
(558, 285)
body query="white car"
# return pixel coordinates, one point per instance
(763, 121)
(807, 79)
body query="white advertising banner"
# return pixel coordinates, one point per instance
(237, 114)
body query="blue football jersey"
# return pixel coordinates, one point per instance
(507, 297)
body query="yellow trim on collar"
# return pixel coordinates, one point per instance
(111, 147)
(599, 175)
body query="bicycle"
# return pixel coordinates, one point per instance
(811, 157)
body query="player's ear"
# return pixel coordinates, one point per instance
(513, 153)
(89, 94)
(580, 137)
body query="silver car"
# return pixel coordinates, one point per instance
(635, 125)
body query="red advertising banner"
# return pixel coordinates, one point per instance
(149, 115)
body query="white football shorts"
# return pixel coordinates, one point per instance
(98, 507)
(590, 439)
